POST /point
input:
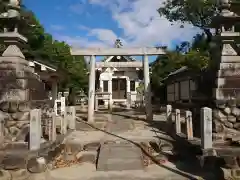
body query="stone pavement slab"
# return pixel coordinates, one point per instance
(119, 124)
(119, 157)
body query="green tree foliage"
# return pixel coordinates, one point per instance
(195, 55)
(197, 12)
(43, 46)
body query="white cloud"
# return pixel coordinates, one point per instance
(79, 41)
(141, 25)
(105, 35)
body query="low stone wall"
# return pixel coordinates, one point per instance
(16, 117)
(226, 122)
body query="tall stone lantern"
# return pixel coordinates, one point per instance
(16, 78)
(226, 121)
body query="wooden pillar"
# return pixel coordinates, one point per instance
(91, 91)
(54, 91)
(147, 89)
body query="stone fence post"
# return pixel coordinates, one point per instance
(169, 114)
(52, 128)
(206, 128)
(35, 129)
(71, 116)
(189, 125)
(63, 116)
(177, 121)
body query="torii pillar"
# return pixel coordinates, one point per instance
(91, 89)
(147, 89)
(93, 52)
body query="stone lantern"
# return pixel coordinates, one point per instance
(227, 59)
(18, 81)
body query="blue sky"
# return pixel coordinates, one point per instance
(97, 23)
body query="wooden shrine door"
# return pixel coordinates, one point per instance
(119, 88)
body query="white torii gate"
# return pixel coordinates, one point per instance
(93, 52)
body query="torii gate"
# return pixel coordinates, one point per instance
(93, 52)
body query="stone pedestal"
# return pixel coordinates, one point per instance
(227, 92)
(19, 87)
(226, 115)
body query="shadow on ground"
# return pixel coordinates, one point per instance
(185, 155)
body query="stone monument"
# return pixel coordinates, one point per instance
(19, 84)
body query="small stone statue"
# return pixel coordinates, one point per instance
(118, 43)
(11, 15)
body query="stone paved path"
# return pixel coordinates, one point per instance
(120, 156)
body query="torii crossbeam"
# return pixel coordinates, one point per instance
(93, 52)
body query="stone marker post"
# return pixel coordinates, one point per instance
(56, 106)
(72, 118)
(189, 125)
(206, 128)
(53, 133)
(177, 121)
(63, 116)
(169, 114)
(35, 129)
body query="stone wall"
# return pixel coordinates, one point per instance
(226, 121)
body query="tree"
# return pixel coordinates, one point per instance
(197, 12)
(196, 57)
(164, 65)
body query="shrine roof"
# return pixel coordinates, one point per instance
(127, 58)
(46, 70)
